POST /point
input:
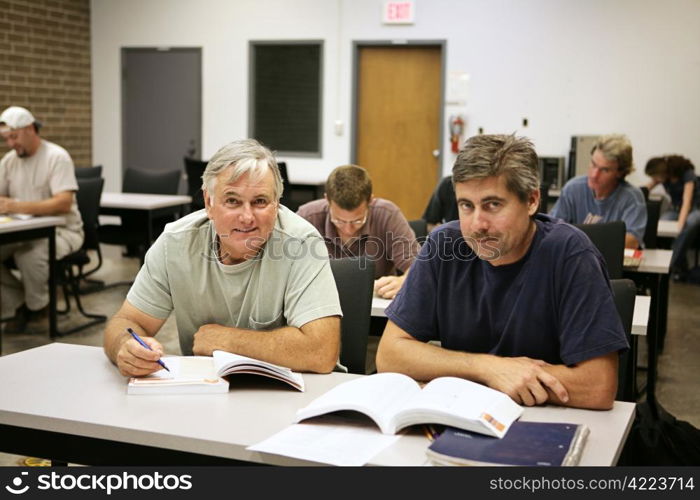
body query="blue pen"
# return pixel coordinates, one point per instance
(138, 339)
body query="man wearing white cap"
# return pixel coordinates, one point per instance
(37, 177)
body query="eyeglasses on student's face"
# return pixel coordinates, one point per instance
(334, 210)
(356, 222)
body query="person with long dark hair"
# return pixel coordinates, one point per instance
(677, 174)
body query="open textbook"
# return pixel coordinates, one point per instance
(395, 401)
(204, 374)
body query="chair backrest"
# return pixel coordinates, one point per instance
(282, 166)
(609, 238)
(645, 192)
(287, 193)
(88, 172)
(544, 199)
(420, 227)
(651, 231)
(151, 182)
(194, 170)
(354, 278)
(88, 198)
(624, 292)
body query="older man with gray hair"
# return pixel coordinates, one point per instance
(519, 301)
(244, 275)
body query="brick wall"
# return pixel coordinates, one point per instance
(45, 67)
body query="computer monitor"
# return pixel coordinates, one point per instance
(552, 171)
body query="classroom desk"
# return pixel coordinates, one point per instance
(68, 402)
(667, 229)
(146, 206)
(640, 319)
(654, 272)
(29, 229)
(150, 206)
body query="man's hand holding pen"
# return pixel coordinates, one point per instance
(135, 360)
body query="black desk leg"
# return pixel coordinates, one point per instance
(663, 311)
(53, 327)
(656, 316)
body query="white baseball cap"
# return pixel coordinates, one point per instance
(16, 117)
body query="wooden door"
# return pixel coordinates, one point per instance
(398, 122)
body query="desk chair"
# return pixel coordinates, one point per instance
(88, 172)
(624, 291)
(88, 198)
(420, 227)
(609, 238)
(287, 198)
(544, 199)
(295, 195)
(651, 231)
(354, 278)
(131, 231)
(194, 170)
(645, 192)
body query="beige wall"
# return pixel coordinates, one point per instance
(45, 67)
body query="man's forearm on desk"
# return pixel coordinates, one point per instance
(591, 384)
(314, 347)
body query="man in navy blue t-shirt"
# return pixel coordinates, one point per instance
(520, 303)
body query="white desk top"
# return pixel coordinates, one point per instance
(654, 260)
(667, 229)
(74, 389)
(33, 223)
(640, 317)
(639, 321)
(138, 201)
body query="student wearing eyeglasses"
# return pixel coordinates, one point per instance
(354, 223)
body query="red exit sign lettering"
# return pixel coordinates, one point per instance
(398, 12)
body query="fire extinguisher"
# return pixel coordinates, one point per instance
(456, 131)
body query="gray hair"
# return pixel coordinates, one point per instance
(493, 155)
(617, 148)
(245, 156)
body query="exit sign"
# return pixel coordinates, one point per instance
(398, 12)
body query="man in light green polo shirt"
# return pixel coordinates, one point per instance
(244, 275)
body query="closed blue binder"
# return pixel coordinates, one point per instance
(525, 444)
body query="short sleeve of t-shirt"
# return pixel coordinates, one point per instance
(414, 309)
(150, 292)
(589, 324)
(311, 292)
(62, 176)
(401, 241)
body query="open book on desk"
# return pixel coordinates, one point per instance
(525, 444)
(395, 401)
(204, 374)
(13, 217)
